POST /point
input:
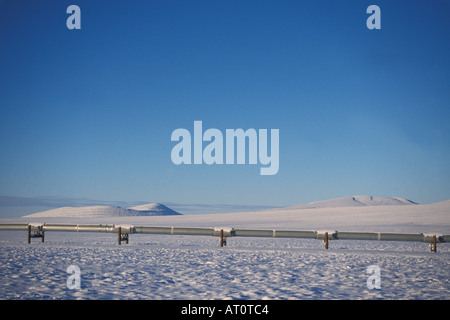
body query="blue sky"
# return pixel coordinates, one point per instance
(88, 114)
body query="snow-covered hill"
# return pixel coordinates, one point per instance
(358, 213)
(152, 209)
(414, 218)
(356, 201)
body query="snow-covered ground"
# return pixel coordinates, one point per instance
(195, 267)
(186, 267)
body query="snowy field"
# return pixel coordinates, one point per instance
(195, 267)
(187, 267)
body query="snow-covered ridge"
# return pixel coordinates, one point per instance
(152, 209)
(156, 208)
(356, 201)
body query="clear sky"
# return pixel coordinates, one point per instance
(88, 114)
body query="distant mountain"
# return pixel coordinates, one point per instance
(152, 209)
(355, 201)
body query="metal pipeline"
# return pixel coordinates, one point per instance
(231, 232)
(14, 226)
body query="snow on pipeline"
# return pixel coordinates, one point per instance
(188, 267)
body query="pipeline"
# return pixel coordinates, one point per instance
(39, 230)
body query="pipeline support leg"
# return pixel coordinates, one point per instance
(124, 236)
(121, 236)
(37, 233)
(434, 244)
(29, 234)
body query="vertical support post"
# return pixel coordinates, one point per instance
(29, 234)
(326, 240)
(119, 236)
(38, 232)
(434, 245)
(221, 237)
